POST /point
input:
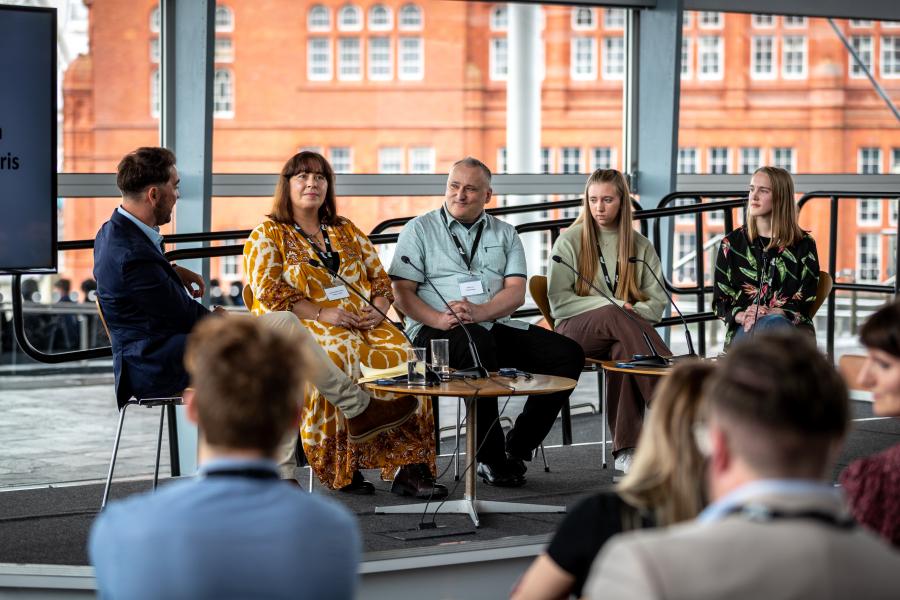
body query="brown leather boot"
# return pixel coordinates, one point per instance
(380, 415)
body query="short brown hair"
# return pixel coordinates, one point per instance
(247, 380)
(144, 167)
(304, 162)
(786, 400)
(881, 331)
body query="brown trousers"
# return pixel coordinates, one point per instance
(606, 334)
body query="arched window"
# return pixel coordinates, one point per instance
(410, 17)
(379, 18)
(319, 18)
(350, 18)
(223, 93)
(583, 18)
(224, 19)
(155, 19)
(500, 18)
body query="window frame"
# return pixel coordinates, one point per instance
(346, 9)
(574, 75)
(419, 75)
(371, 63)
(387, 26)
(576, 26)
(318, 27)
(406, 10)
(772, 72)
(224, 113)
(804, 53)
(719, 52)
(341, 62)
(605, 63)
(329, 45)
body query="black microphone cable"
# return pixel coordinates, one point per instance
(687, 332)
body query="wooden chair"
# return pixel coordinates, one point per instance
(162, 403)
(823, 290)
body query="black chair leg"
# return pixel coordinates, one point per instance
(162, 418)
(112, 460)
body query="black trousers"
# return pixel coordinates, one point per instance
(535, 350)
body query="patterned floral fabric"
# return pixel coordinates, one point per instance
(277, 262)
(789, 284)
(872, 487)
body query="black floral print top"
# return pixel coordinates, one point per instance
(789, 281)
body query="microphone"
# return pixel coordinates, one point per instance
(476, 372)
(687, 332)
(430, 376)
(766, 267)
(651, 360)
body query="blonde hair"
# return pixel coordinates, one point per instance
(666, 478)
(785, 226)
(589, 258)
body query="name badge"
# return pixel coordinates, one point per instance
(337, 292)
(470, 287)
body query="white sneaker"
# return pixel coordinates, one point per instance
(624, 460)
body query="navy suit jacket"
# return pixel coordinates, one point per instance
(148, 313)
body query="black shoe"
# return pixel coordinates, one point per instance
(516, 465)
(359, 486)
(416, 480)
(500, 475)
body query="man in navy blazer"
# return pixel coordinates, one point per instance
(144, 298)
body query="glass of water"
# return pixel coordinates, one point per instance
(440, 358)
(415, 363)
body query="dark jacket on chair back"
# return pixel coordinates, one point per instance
(147, 310)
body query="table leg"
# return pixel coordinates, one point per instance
(603, 425)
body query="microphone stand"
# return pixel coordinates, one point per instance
(476, 372)
(687, 332)
(764, 256)
(651, 360)
(430, 376)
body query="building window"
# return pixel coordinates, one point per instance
(793, 57)
(601, 158)
(683, 219)
(318, 67)
(155, 93)
(390, 160)
(614, 18)
(749, 160)
(583, 19)
(890, 24)
(350, 18)
(155, 19)
(341, 160)
(762, 57)
(687, 161)
(686, 19)
(763, 21)
(319, 18)
(584, 58)
(710, 57)
(500, 18)
(710, 20)
(892, 256)
(686, 56)
(498, 59)
(154, 50)
(895, 161)
(381, 59)
(868, 257)
(224, 18)
(380, 18)
(571, 160)
(868, 212)
(869, 161)
(687, 269)
(421, 160)
(794, 22)
(349, 59)
(784, 159)
(410, 18)
(230, 266)
(719, 160)
(224, 50)
(862, 44)
(546, 160)
(223, 93)
(412, 59)
(860, 23)
(501, 160)
(890, 56)
(613, 58)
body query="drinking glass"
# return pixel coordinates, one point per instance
(440, 358)
(415, 363)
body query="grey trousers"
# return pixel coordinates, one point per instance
(605, 333)
(337, 388)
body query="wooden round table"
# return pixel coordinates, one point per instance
(469, 391)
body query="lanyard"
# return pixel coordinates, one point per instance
(467, 258)
(329, 258)
(612, 285)
(252, 473)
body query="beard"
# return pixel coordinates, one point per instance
(162, 214)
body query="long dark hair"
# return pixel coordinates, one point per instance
(303, 162)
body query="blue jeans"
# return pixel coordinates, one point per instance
(766, 323)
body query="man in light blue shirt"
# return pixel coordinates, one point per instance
(777, 528)
(477, 263)
(235, 531)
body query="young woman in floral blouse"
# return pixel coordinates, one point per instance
(767, 271)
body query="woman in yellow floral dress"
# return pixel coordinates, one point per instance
(284, 258)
